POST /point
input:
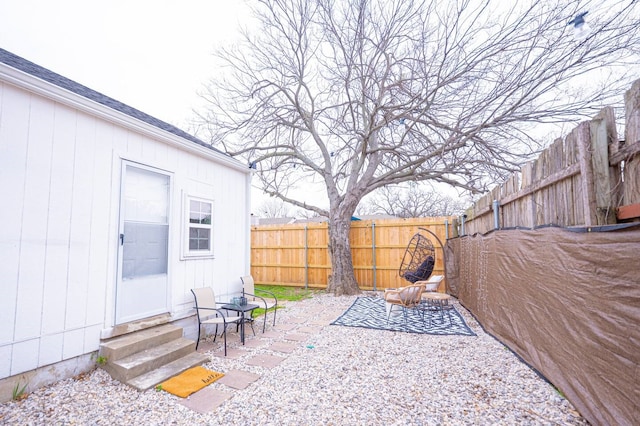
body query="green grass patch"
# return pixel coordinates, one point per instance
(282, 293)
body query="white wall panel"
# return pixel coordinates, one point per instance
(92, 338)
(5, 360)
(73, 343)
(14, 121)
(104, 189)
(34, 220)
(50, 349)
(134, 145)
(230, 265)
(119, 140)
(58, 232)
(24, 356)
(80, 231)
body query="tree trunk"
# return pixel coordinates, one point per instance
(342, 280)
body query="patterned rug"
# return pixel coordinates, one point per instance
(370, 312)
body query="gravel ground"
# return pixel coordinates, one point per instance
(338, 376)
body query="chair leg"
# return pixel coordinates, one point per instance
(275, 309)
(224, 332)
(390, 311)
(404, 315)
(421, 314)
(264, 323)
(449, 312)
(430, 312)
(198, 341)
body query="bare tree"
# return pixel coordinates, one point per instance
(361, 94)
(412, 200)
(305, 214)
(273, 207)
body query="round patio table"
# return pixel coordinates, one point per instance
(437, 302)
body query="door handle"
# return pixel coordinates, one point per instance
(121, 239)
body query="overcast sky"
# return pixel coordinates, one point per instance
(153, 55)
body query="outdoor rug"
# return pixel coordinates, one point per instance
(190, 381)
(370, 312)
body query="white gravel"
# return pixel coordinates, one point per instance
(338, 376)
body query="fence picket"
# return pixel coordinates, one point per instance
(576, 181)
(277, 252)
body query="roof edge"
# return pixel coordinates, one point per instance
(34, 78)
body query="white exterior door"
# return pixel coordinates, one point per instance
(142, 288)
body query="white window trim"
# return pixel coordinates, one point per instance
(186, 225)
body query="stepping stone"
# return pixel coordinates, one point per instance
(298, 337)
(309, 330)
(205, 346)
(286, 327)
(206, 400)
(283, 347)
(253, 343)
(298, 320)
(232, 353)
(266, 361)
(238, 379)
(271, 334)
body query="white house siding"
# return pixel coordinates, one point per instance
(60, 176)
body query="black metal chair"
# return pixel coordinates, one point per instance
(249, 290)
(207, 313)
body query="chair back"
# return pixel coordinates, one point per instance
(248, 286)
(419, 259)
(433, 283)
(204, 298)
(411, 295)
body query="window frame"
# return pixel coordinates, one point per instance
(187, 252)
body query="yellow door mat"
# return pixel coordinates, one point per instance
(190, 381)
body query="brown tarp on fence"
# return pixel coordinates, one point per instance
(567, 302)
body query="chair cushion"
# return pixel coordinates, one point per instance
(422, 273)
(392, 297)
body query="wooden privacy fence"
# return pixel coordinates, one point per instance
(589, 178)
(298, 254)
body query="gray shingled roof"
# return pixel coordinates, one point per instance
(35, 70)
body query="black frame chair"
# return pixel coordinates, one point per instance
(208, 313)
(249, 289)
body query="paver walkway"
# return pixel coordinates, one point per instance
(244, 366)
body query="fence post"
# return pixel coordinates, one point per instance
(454, 228)
(462, 221)
(603, 129)
(583, 135)
(373, 249)
(632, 139)
(306, 257)
(496, 214)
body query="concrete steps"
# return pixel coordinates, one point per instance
(144, 358)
